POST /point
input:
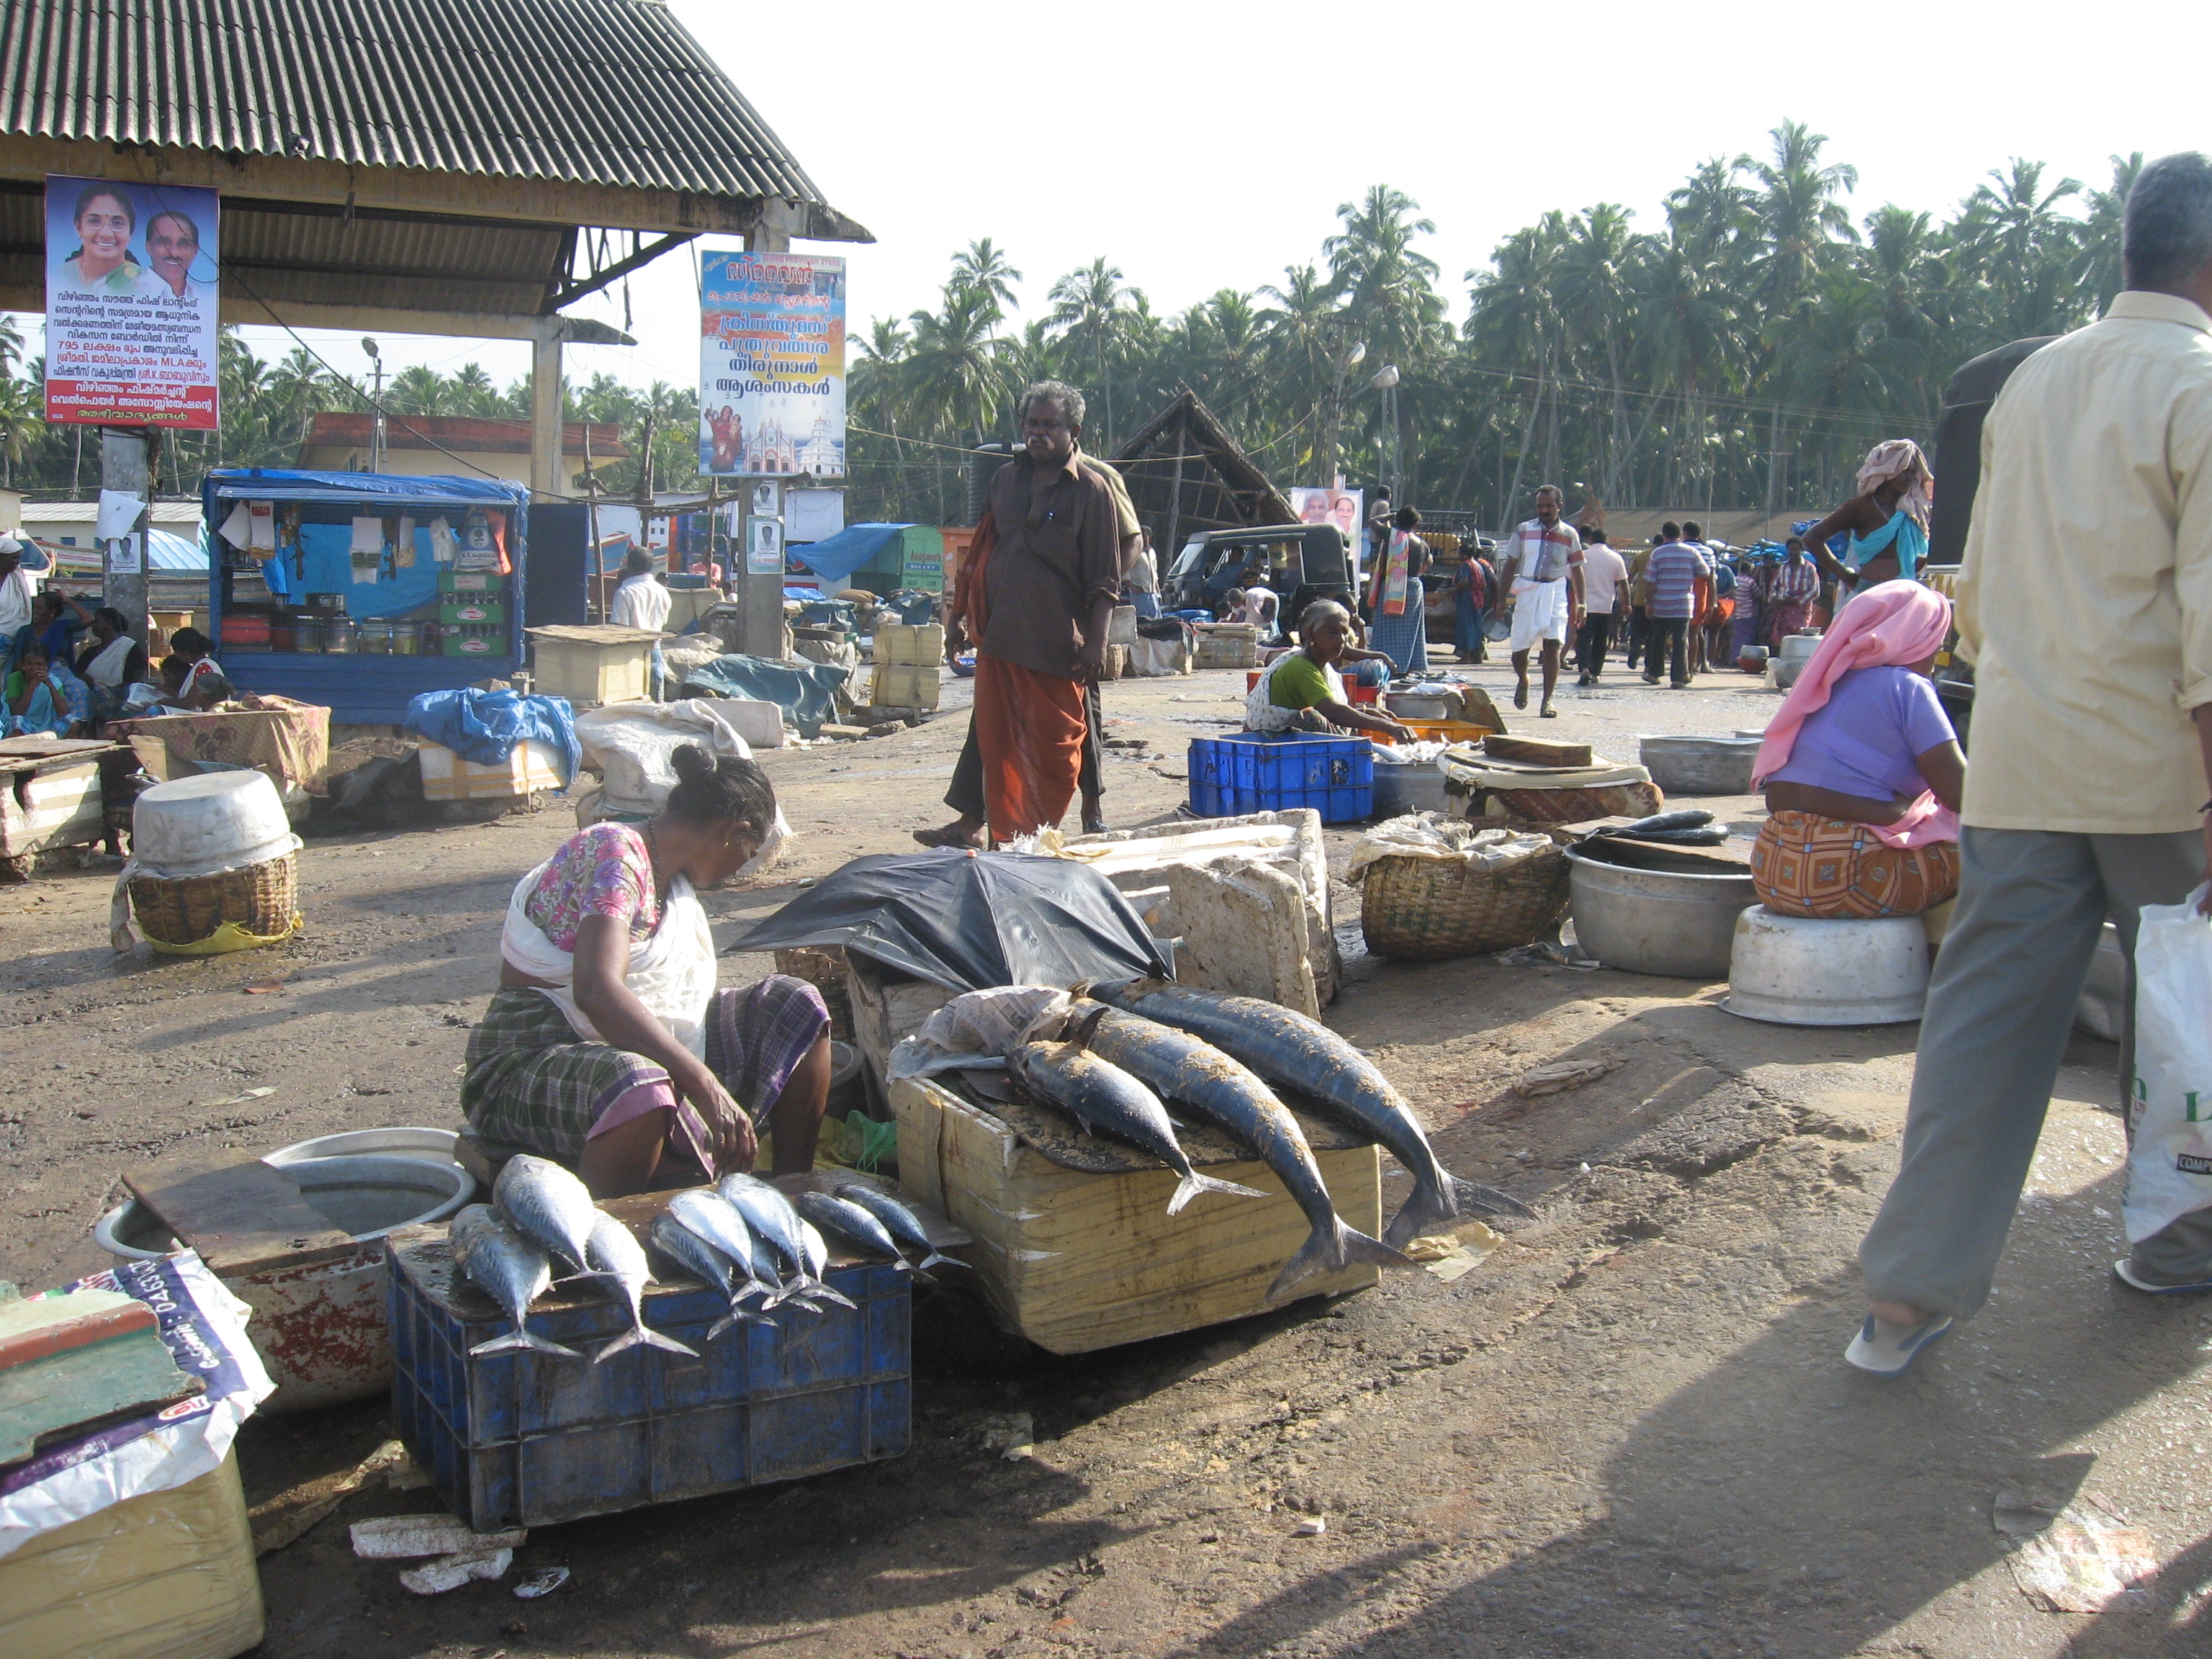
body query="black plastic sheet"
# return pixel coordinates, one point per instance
(971, 920)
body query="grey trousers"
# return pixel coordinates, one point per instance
(2000, 1010)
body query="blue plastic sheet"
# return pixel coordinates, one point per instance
(484, 727)
(839, 556)
(807, 691)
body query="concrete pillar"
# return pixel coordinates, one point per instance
(125, 464)
(548, 466)
(760, 598)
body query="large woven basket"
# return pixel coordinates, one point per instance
(1425, 909)
(262, 900)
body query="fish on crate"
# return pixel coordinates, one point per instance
(901, 1222)
(1227, 1094)
(508, 1268)
(1102, 1097)
(769, 1213)
(550, 1206)
(1297, 1052)
(714, 1218)
(695, 1256)
(615, 1255)
(832, 1214)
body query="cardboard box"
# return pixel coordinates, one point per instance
(534, 767)
(905, 686)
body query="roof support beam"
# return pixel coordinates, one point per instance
(383, 319)
(616, 272)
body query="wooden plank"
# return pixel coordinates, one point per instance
(71, 1361)
(237, 1211)
(1541, 751)
(1733, 855)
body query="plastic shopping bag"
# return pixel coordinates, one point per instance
(2170, 1116)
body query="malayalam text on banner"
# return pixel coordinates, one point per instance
(771, 363)
(131, 303)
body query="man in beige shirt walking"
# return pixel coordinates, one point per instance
(2086, 606)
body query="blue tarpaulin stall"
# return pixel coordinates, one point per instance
(362, 689)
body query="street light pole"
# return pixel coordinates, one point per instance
(1386, 382)
(375, 408)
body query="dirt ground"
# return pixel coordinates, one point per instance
(1628, 1432)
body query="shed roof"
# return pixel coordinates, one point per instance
(480, 434)
(1186, 473)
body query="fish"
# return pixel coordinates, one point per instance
(815, 1250)
(1299, 1053)
(901, 1222)
(549, 1205)
(1100, 1095)
(714, 1218)
(508, 1268)
(695, 1256)
(769, 1213)
(614, 1253)
(850, 1221)
(1227, 1094)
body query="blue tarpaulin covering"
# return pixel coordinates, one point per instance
(838, 556)
(484, 727)
(807, 691)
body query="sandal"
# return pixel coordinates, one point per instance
(2127, 1274)
(950, 836)
(1520, 695)
(1886, 1349)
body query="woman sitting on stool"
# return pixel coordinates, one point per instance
(1862, 771)
(1301, 690)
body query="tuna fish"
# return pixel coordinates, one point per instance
(814, 1250)
(1226, 1095)
(695, 1256)
(717, 1221)
(509, 1269)
(551, 1207)
(1288, 1049)
(1099, 1095)
(615, 1255)
(850, 1221)
(902, 1224)
(769, 1213)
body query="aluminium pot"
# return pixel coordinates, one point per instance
(1681, 924)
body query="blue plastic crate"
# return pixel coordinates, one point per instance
(529, 1439)
(1270, 771)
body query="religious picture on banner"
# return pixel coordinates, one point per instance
(131, 303)
(1338, 506)
(764, 547)
(771, 364)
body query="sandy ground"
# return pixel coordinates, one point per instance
(1627, 1432)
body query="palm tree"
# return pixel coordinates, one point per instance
(1800, 217)
(984, 268)
(1597, 297)
(22, 424)
(11, 345)
(1308, 339)
(1087, 305)
(2097, 271)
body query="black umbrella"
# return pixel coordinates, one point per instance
(972, 921)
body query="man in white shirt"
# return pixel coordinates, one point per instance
(2084, 605)
(1547, 560)
(1261, 606)
(17, 589)
(1605, 577)
(641, 601)
(1140, 582)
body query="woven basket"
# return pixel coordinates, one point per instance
(1426, 909)
(262, 899)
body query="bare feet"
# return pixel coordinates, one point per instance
(960, 833)
(1898, 1313)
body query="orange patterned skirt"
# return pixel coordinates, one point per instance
(1805, 865)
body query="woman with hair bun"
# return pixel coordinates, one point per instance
(609, 1046)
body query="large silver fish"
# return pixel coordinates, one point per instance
(1226, 1095)
(1099, 1095)
(551, 1207)
(814, 1249)
(901, 1222)
(1286, 1047)
(771, 1214)
(695, 1256)
(850, 1222)
(615, 1255)
(509, 1269)
(714, 1218)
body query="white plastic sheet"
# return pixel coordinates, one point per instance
(2169, 1152)
(1434, 835)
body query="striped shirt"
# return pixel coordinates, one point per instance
(1673, 572)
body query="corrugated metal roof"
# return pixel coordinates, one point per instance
(599, 92)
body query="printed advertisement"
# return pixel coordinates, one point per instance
(771, 363)
(1341, 507)
(131, 303)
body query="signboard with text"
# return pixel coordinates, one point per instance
(131, 303)
(771, 364)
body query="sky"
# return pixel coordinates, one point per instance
(1202, 144)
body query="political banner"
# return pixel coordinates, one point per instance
(1341, 507)
(131, 303)
(771, 363)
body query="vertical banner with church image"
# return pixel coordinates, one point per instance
(771, 364)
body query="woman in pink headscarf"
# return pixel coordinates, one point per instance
(1862, 769)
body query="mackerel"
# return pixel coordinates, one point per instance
(1099, 1095)
(850, 1221)
(1287, 1047)
(706, 1264)
(771, 1214)
(1227, 1094)
(615, 1255)
(551, 1207)
(901, 1222)
(714, 1218)
(508, 1268)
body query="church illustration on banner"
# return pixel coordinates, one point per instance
(768, 449)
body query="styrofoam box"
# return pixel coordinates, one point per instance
(534, 766)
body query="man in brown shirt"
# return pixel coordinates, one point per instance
(1038, 610)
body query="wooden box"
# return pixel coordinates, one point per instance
(910, 645)
(594, 664)
(905, 686)
(1075, 1261)
(886, 1007)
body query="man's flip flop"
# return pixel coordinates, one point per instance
(1520, 696)
(1547, 712)
(2124, 1271)
(1886, 1349)
(947, 838)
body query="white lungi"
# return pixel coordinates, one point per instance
(1539, 612)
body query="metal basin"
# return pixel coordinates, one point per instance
(1700, 766)
(1415, 787)
(1795, 970)
(431, 1146)
(1656, 922)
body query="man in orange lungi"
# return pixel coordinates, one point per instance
(1042, 591)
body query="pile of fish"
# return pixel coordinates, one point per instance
(741, 1237)
(1128, 1048)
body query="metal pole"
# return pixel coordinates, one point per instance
(124, 465)
(546, 446)
(760, 598)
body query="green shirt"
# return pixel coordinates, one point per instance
(1297, 682)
